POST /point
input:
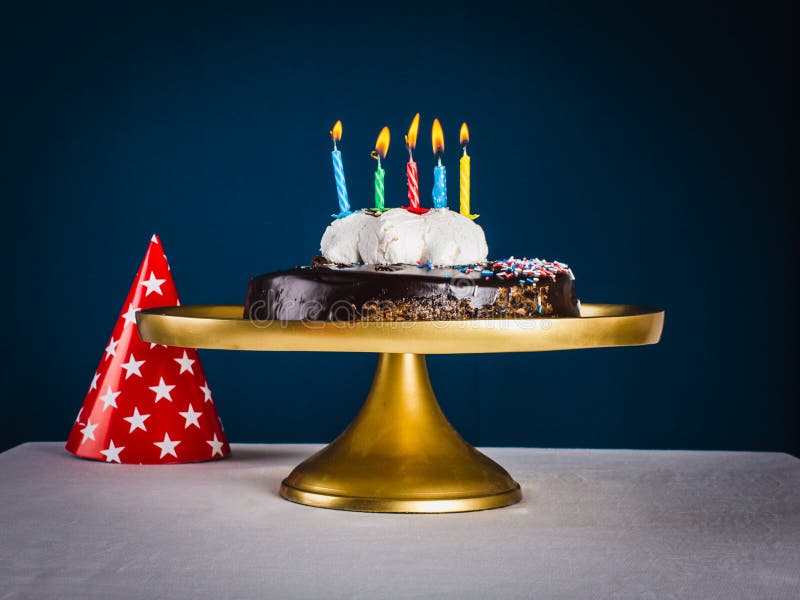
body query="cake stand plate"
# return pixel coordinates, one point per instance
(400, 454)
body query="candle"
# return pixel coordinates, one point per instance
(412, 178)
(338, 172)
(412, 174)
(439, 175)
(464, 165)
(381, 148)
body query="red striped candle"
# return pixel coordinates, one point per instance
(412, 177)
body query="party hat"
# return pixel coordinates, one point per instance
(148, 403)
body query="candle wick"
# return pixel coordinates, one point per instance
(440, 160)
(334, 145)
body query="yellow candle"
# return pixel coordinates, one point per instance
(465, 174)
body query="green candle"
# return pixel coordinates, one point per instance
(381, 148)
(379, 188)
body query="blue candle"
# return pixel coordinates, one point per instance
(439, 186)
(439, 177)
(341, 186)
(338, 171)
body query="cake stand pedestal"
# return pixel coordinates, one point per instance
(400, 454)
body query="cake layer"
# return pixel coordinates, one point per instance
(512, 288)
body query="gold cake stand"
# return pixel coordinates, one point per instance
(400, 454)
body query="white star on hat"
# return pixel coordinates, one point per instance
(153, 285)
(112, 452)
(216, 446)
(109, 398)
(185, 362)
(93, 385)
(111, 349)
(191, 417)
(162, 390)
(167, 446)
(136, 420)
(88, 431)
(132, 366)
(207, 393)
(130, 314)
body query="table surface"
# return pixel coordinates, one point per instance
(592, 524)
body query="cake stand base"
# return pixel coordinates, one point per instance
(400, 454)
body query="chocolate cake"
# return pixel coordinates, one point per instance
(511, 288)
(399, 265)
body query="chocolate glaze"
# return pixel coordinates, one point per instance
(328, 292)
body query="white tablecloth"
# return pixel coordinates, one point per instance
(593, 524)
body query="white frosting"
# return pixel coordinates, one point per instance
(441, 236)
(395, 237)
(340, 241)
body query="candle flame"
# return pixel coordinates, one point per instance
(437, 137)
(464, 135)
(411, 138)
(382, 144)
(336, 132)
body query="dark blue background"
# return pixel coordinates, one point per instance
(649, 147)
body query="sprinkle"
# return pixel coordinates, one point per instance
(428, 264)
(448, 276)
(487, 273)
(528, 268)
(420, 265)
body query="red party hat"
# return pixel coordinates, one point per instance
(148, 403)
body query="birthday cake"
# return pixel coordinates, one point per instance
(397, 265)
(410, 263)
